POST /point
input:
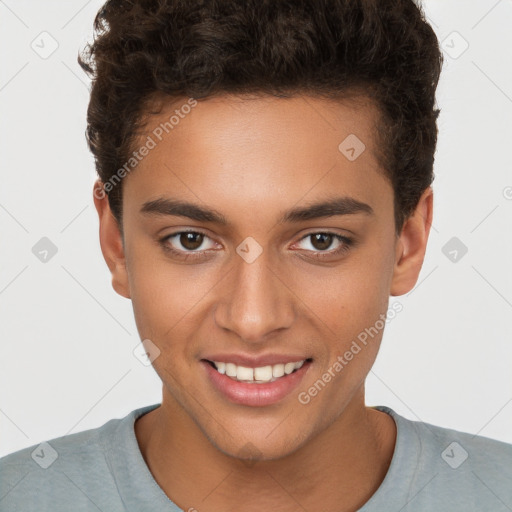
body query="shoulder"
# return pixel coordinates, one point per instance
(437, 468)
(63, 473)
(470, 469)
(56, 451)
(469, 452)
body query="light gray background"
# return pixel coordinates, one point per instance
(66, 361)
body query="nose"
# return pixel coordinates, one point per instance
(256, 302)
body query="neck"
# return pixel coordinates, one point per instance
(337, 471)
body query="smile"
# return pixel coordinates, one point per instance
(261, 374)
(255, 386)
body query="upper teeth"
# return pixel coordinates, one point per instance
(261, 374)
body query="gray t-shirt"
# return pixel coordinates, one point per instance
(433, 469)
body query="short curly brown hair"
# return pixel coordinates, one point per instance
(199, 48)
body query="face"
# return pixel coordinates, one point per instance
(253, 239)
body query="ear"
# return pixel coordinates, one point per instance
(111, 241)
(412, 244)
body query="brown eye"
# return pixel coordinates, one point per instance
(191, 241)
(187, 242)
(324, 244)
(321, 241)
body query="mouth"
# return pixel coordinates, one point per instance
(258, 375)
(255, 386)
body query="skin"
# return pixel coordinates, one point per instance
(251, 160)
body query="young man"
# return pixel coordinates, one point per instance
(265, 172)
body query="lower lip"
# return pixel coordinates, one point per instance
(255, 395)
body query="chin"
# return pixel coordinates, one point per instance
(250, 449)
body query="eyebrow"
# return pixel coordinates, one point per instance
(328, 208)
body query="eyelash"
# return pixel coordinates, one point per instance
(347, 244)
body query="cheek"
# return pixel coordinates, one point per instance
(349, 297)
(167, 297)
(171, 303)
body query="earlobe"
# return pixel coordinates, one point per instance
(411, 245)
(111, 241)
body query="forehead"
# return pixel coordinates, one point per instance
(246, 120)
(249, 151)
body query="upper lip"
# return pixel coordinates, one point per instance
(249, 361)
